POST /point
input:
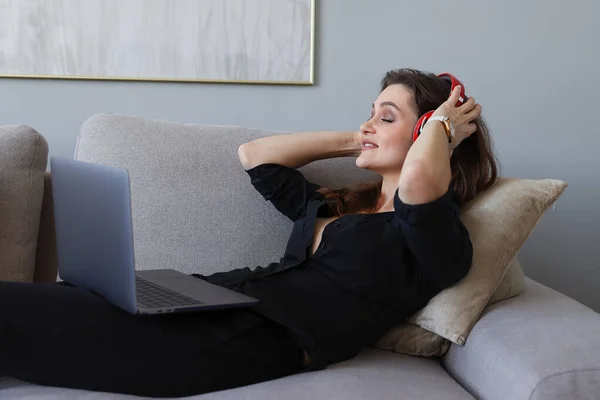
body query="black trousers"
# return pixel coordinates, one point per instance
(59, 335)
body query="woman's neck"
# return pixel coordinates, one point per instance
(388, 191)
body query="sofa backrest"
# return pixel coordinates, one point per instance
(193, 206)
(23, 159)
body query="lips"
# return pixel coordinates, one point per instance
(367, 145)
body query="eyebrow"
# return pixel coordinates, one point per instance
(388, 103)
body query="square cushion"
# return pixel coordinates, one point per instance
(511, 285)
(499, 221)
(23, 160)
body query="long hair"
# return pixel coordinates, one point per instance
(473, 164)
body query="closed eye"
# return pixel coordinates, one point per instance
(389, 121)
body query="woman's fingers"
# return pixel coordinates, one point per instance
(474, 113)
(469, 115)
(468, 106)
(454, 95)
(472, 127)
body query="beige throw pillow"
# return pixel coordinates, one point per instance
(23, 158)
(410, 339)
(511, 285)
(413, 340)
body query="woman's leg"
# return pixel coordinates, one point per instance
(58, 335)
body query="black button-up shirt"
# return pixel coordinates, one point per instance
(369, 273)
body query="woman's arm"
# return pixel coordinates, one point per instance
(426, 172)
(295, 150)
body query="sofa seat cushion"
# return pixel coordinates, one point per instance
(373, 374)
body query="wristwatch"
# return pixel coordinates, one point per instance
(448, 126)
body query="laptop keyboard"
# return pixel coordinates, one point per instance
(150, 295)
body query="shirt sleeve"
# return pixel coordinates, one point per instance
(230, 279)
(437, 238)
(286, 188)
(227, 279)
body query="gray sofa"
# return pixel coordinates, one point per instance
(194, 210)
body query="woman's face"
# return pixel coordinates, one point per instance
(387, 136)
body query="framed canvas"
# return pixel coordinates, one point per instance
(230, 41)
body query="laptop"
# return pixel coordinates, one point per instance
(94, 240)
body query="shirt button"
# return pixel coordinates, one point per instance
(323, 245)
(336, 223)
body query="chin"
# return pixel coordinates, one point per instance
(365, 164)
(379, 168)
(361, 163)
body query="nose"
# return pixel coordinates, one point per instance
(367, 127)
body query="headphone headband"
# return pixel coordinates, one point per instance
(454, 82)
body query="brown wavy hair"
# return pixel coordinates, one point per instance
(473, 164)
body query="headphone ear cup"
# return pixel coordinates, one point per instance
(420, 124)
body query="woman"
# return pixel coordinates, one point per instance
(357, 263)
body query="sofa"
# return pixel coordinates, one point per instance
(194, 210)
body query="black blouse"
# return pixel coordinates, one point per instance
(370, 272)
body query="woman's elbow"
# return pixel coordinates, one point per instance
(456, 267)
(460, 267)
(419, 185)
(463, 267)
(245, 155)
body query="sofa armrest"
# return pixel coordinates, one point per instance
(538, 345)
(46, 264)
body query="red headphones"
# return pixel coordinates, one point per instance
(461, 100)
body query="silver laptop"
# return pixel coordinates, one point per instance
(94, 235)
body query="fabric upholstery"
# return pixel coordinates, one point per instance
(511, 285)
(499, 221)
(411, 339)
(373, 374)
(540, 345)
(23, 160)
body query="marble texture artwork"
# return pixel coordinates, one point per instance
(268, 41)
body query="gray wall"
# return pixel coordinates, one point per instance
(532, 64)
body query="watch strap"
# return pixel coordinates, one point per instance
(448, 126)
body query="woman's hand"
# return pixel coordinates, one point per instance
(426, 173)
(461, 117)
